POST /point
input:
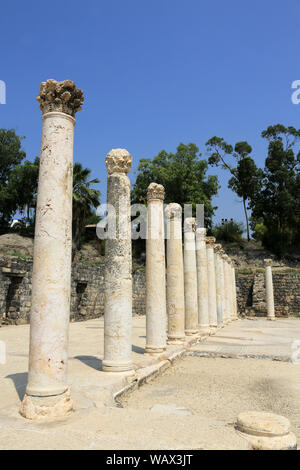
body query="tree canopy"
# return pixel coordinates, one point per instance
(277, 204)
(183, 175)
(245, 178)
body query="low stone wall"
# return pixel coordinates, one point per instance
(87, 294)
(251, 294)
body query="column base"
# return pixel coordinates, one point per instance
(191, 332)
(154, 350)
(117, 366)
(176, 340)
(204, 330)
(271, 318)
(48, 408)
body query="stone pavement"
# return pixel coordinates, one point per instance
(255, 337)
(97, 422)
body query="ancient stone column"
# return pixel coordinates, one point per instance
(190, 277)
(203, 316)
(269, 290)
(222, 283)
(211, 278)
(47, 392)
(118, 268)
(227, 309)
(235, 312)
(155, 272)
(229, 283)
(218, 276)
(175, 278)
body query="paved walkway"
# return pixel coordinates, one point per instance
(255, 338)
(96, 421)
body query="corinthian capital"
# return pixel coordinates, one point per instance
(190, 224)
(118, 161)
(267, 262)
(62, 97)
(210, 241)
(155, 191)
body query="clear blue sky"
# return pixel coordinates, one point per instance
(154, 73)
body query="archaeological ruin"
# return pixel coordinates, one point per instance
(190, 288)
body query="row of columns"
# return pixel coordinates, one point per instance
(201, 292)
(195, 297)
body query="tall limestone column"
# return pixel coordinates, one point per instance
(211, 277)
(269, 290)
(118, 268)
(229, 283)
(222, 284)
(203, 315)
(190, 277)
(47, 393)
(175, 278)
(235, 312)
(155, 272)
(227, 309)
(218, 275)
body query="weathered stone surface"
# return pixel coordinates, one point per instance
(118, 268)
(269, 289)
(175, 276)
(190, 277)
(46, 408)
(211, 282)
(203, 313)
(118, 161)
(156, 309)
(266, 431)
(61, 97)
(51, 276)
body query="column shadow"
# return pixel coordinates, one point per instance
(138, 349)
(91, 361)
(20, 382)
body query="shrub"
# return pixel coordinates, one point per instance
(230, 232)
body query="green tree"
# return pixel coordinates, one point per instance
(278, 203)
(245, 178)
(21, 189)
(183, 175)
(85, 198)
(11, 154)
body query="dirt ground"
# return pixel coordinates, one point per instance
(214, 391)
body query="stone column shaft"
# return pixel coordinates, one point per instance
(175, 278)
(47, 393)
(226, 316)
(155, 272)
(118, 268)
(269, 289)
(190, 278)
(235, 311)
(218, 275)
(203, 316)
(211, 276)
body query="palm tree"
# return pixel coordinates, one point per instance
(85, 198)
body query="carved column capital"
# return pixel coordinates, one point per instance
(173, 210)
(118, 161)
(155, 191)
(190, 224)
(210, 241)
(267, 262)
(61, 97)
